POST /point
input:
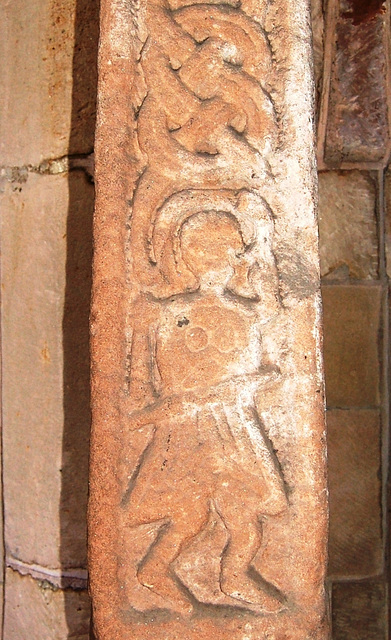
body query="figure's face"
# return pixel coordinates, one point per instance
(210, 242)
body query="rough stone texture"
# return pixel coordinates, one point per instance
(317, 19)
(44, 49)
(45, 289)
(347, 225)
(357, 127)
(387, 194)
(359, 611)
(351, 327)
(354, 458)
(2, 567)
(35, 611)
(207, 511)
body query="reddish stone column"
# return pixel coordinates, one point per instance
(208, 500)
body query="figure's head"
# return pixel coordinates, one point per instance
(211, 242)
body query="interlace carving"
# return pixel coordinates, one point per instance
(198, 470)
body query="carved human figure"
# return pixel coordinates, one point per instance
(205, 445)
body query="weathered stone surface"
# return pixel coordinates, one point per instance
(387, 202)
(52, 45)
(347, 225)
(2, 595)
(45, 289)
(351, 326)
(2, 567)
(207, 511)
(36, 611)
(317, 18)
(354, 457)
(357, 127)
(359, 611)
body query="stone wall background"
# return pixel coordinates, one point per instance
(352, 39)
(47, 102)
(47, 96)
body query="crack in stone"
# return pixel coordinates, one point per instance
(52, 166)
(75, 578)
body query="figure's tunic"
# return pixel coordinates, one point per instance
(206, 355)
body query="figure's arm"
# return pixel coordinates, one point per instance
(140, 390)
(137, 427)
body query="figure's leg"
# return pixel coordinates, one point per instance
(245, 536)
(145, 516)
(135, 542)
(156, 573)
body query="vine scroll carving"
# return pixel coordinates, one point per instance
(207, 510)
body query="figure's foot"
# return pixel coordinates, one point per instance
(246, 592)
(183, 608)
(168, 592)
(143, 599)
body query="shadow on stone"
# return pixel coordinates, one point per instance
(76, 323)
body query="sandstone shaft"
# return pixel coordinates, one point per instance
(208, 503)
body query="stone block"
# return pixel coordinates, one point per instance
(48, 84)
(359, 611)
(46, 263)
(354, 455)
(351, 353)
(347, 225)
(35, 611)
(357, 128)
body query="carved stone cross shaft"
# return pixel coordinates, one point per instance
(208, 503)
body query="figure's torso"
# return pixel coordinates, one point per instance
(204, 341)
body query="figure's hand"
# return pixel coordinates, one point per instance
(151, 414)
(268, 376)
(138, 420)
